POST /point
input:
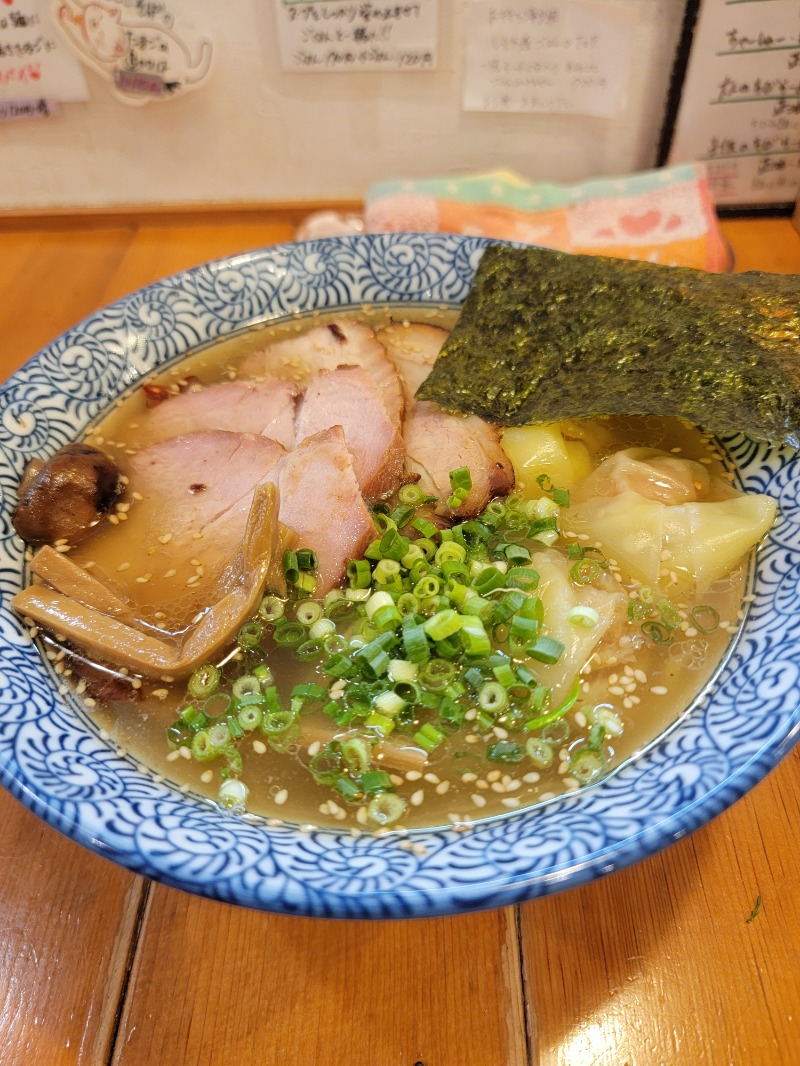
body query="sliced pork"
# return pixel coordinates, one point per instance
(321, 502)
(413, 349)
(438, 442)
(189, 498)
(348, 397)
(340, 343)
(265, 407)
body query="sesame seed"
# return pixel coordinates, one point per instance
(165, 538)
(469, 778)
(478, 800)
(159, 693)
(482, 785)
(206, 776)
(442, 787)
(113, 519)
(137, 496)
(432, 778)
(123, 566)
(136, 683)
(413, 775)
(170, 573)
(193, 579)
(143, 579)
(173, 755)
(362, 815)
(510, 801)
(498, 786)
(281, 797)
(259, 747)
(493, 775)
(417, 797)
(659, 690)
(314, 747)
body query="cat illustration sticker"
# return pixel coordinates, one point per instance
(144, 58)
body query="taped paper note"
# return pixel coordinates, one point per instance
(740, 104)
(333, 36)
(35, 64)
(562, 58)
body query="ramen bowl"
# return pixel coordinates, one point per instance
(58, 763)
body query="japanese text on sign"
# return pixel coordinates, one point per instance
(324, 35)
(740, 105)
(34, 64)
(564, 58)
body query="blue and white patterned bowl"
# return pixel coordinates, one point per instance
(53, 760)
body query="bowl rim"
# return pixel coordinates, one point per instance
(56, 763)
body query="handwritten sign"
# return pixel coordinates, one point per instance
(34, 64)
(562, 58)
(324, 36)
(740, 104)
(137, 45)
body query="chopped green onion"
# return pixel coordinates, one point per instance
(385, 809)
(204, 681)
(539, 752)
(546, 649)
(443, 624)
(552, 716)
(428, 737)
(359, 574)
(289, 633)
(272, 608)
(308, 612)
(249, 636)
(505, 751)
(657, 632)
(584, 616)
(492, 697)
(586, 766)
(705, 618)
(291, 570)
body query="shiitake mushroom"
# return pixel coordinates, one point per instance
(63, 498)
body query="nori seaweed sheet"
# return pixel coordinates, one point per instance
(545, 336)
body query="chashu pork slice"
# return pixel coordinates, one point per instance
(436, 441)
(265, 407)
(348, 397)
(321, 502)
(191, 497)
(340, 343)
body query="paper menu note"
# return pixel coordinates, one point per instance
(740, 104)
(336, 36)
(559, 57)
(35, 63)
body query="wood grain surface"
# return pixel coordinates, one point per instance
(655, 965)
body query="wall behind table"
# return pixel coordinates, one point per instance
(254, 134)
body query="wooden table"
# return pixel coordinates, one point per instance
(653, 965)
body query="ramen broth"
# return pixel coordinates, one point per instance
(644, 684)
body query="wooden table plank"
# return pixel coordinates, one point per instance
(215, 983)
(659, 964)
(67, 922)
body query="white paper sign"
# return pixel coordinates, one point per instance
(35, 63)
(740, 104)
(325, 36)
(564, 58)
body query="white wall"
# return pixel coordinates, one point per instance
(255, 134)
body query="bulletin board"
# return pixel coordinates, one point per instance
(261, 102)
